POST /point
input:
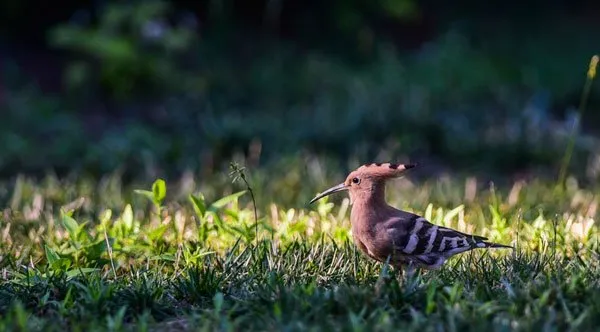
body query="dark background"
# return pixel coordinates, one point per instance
(156, 88)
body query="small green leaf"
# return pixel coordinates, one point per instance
(157, 233)
(79, 271)
(95, 250)
(105, 216)
(51, 255)
(199, 204)
(71, 225)
(159, 189)
(226, 200)
(428, 212)
(127, 217)
(146, 193)
(453, 213)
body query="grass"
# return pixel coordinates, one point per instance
(88, 255)
(241, 250)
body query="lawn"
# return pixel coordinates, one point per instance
(84, 255)
(118, 210)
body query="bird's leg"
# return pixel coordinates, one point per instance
(410, 270)
(379, 286)
(384, 278)
(399, 270)
(399, 273)
(406, 274)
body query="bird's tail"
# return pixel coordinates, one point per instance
(497, 245)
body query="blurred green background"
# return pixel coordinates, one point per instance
(155, 88)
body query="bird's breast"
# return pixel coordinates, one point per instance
(369, 242)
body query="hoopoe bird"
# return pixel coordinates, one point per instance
(383, 232)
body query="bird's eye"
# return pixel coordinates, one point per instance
(355, 180)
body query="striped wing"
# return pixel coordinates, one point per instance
(430, 245)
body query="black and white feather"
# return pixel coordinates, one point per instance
(427, 245)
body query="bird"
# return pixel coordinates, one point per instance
(400, 238)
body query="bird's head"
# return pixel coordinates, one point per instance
(365, 179)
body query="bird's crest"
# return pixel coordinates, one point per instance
(387, 170)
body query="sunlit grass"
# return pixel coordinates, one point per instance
(77, 254)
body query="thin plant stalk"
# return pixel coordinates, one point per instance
(238, 173)
(591, 74)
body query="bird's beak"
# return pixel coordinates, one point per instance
(339, 187)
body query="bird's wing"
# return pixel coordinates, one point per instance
(416, 238)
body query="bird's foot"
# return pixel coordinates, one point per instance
(383, 281)
(410, 277)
